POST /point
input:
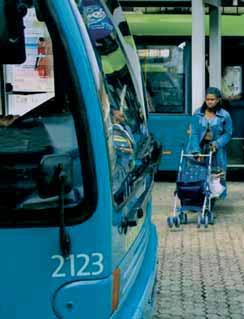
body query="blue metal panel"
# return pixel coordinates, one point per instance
(171, 131)
(130, 251)
(32, 268)
(140, 300)
(84, 299)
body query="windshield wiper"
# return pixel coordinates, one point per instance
(64, 238)
(56, 179)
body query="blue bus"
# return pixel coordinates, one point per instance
(76, 165)
(164, 47)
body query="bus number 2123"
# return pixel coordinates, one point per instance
(78, 265)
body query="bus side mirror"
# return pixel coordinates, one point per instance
(12, 43)
(55, 175)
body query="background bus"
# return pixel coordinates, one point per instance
(76, 165)
(164, 47)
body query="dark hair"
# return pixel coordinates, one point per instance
(215, 91)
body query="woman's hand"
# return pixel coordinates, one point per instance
(198, 157)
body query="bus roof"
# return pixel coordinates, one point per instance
(179, 25)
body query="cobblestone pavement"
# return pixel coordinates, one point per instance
(201, 271)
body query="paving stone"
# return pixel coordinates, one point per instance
(215, 316)
(201, 272)
(237, 316)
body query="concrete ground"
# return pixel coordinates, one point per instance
(201, 271)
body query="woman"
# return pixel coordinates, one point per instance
(212, 130)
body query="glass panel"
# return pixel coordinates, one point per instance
(31, 83)
(163, 69)
(38, 123)
(126, 127)
(232, 82)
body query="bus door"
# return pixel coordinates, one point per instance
(166, 70)
(76, 167)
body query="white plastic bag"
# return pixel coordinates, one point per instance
(215, 186)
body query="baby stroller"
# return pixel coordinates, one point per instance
(194, 190)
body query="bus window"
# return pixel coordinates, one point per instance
(231, 84)
(34, 117)
(163, 68)
(126, 128)
(31, 83)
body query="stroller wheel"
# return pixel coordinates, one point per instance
(170, 221)
(177, 221)
(211, 218)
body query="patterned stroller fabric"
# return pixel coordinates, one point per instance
(193, 191)
(192, 182)
(192, 170)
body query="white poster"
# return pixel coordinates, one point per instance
(20, 104)
(36, 74)
(232, 82)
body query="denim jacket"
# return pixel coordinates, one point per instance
(221, 129)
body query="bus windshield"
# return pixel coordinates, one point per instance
(125, 122)
(38, 122)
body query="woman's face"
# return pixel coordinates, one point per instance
(211, 100)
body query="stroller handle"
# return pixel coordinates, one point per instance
(198, 154)
(209, 156)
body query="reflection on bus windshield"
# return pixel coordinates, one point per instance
(126, 127)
